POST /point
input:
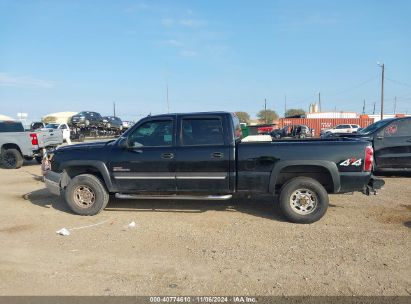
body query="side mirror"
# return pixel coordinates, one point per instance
(123, 143)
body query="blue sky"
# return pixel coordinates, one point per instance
(214, 55)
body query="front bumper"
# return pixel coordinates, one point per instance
(52, 181)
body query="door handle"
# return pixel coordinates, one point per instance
(167, 155)
(217, 155)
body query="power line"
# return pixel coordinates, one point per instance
(355, 86)
(398, 82)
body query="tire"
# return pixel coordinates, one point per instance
(12, 159)
(39, 159)
(277, 136)
(95, 196)
(300, 210)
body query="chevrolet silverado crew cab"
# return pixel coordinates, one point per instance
(201, 156)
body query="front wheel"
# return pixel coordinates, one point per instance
(303, 200)
(86, 195)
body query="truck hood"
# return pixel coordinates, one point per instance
(351, 135)
(84, 146)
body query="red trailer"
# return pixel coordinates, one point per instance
(317, 124)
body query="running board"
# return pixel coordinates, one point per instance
(175, 197)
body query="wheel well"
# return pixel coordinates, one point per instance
(320, 174)
(10, 146)
(77, 170)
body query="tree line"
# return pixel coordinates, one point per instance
(268, 116)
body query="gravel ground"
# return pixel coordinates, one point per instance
(361, 247)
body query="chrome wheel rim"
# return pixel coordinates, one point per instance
(303, 201)
(84, 196)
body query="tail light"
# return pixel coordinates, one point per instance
(34, 139)
(369, 158)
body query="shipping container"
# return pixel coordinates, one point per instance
(318, 124)
(332, 115)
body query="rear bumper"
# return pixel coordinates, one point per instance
(373, 185)
(52, 181)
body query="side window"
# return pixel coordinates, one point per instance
(63, 127)
(155, 133)
(404, 127)
(202, 131)
(237, 128)
(339, 127)
(392, 129)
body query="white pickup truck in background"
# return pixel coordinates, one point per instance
(60, 126)
(16, 144)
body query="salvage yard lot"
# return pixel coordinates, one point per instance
(361, 247)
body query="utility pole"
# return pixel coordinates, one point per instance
(395, 105)
(363, 107)
(373, 110)
(285, 104)
(382, 89)
(114, 109)
(319, 101)
(168, 102)
(265, 110)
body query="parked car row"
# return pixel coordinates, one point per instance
(89, 119)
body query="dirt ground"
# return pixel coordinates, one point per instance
(361, 247)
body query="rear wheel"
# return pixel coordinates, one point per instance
(86, 195)
(303, 200)
(12, 159)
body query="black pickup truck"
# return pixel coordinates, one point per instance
(201, 156)
(391, 141)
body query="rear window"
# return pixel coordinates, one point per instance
(202, 131)
(11, 126)
(238, 133)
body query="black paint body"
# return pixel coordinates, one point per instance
(214, 169)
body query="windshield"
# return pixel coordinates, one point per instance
(375, 126)
(52, 126)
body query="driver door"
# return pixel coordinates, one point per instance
(392, 145)
(147, 164)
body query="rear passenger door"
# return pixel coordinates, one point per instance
(392, 145)
(202, 156)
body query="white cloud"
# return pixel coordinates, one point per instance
(8, 80)
(172, 42)
(167, 22)
(136, 7)
(192, 22)
(188, 53)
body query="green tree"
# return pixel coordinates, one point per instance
(294, 112)
(243, 116)
(267, 116)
